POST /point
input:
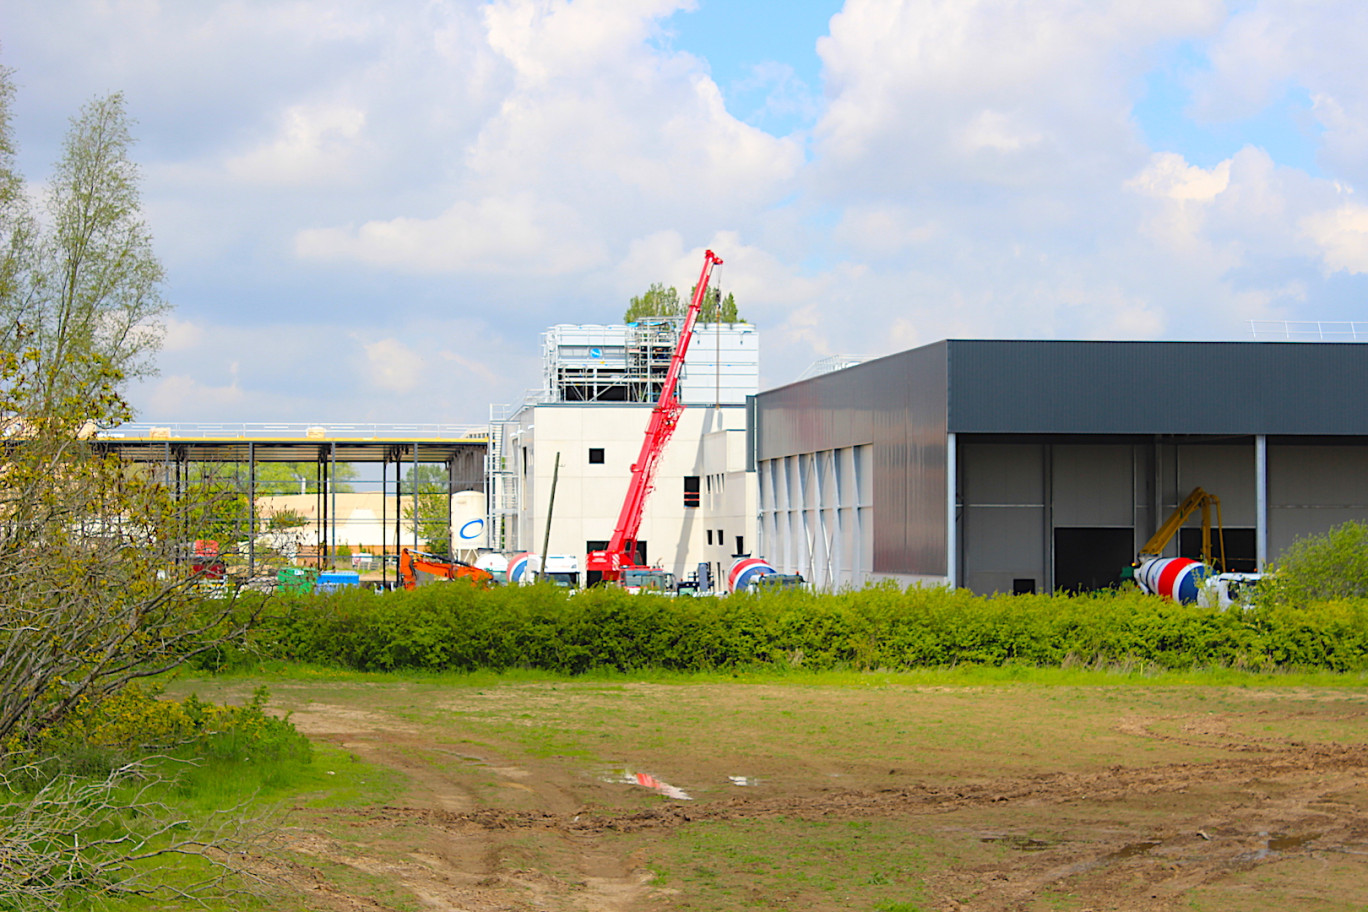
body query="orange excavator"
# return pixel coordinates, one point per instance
(414, 565)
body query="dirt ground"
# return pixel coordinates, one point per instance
(643, 797)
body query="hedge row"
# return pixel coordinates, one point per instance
(457, 627)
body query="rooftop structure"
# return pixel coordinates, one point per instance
(628, 362)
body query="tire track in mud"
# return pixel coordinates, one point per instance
(1045, 788)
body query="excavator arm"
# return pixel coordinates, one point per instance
(1198, 499)
(411, 563)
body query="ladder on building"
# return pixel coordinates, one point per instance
(501, 480)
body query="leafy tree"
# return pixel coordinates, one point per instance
(432, 515)
(658, 301)
(300, 478)
(715, 311)
(662, 302)
(96, 588)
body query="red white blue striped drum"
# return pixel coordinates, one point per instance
(517, 569)
(1177, 578)
(746, 571)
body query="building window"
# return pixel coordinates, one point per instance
(740, 544)
(709, 536)
(690, 490)
(596, 455)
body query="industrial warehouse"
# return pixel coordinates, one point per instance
(998, 466)
(1024, 466)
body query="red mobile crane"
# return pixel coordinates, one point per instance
(621, 551)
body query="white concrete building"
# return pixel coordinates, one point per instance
(600, 386)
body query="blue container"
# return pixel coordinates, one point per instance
(331, 580)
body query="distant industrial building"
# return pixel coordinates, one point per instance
(1019, 466)
(599, 386)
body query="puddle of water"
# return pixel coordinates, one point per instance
(743, 781)
(1020, 843)
(1281, 842)
(646, 780)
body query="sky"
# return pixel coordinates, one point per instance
(369, 210)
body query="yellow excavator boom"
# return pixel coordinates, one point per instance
(1198, 498)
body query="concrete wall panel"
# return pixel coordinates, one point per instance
(1092, 485)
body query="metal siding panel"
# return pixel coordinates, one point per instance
(1224, 471)
(1002, 474)
(1311, 489)
(896, 405)
(1092, 486)
(1002, 544)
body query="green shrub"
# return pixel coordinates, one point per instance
(1321, 568)
(462, 628)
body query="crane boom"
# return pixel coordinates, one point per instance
(621, 550)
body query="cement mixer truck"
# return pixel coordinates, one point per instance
(1183, 579)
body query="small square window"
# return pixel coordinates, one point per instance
(596, 455)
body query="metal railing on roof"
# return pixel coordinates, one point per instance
(295, 431)
(1309, 330)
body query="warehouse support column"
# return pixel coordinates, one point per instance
(332, 507)
(951, 524)
(1261, 501)
(251, 510)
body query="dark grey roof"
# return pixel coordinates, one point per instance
(1274, 388)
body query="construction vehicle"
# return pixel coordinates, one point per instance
(649, 579)
(1183, 579)
(620, 555)
(746, 571)
(417, 567)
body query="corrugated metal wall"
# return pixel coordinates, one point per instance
(897, 407)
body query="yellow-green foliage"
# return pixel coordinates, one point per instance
(136, 721)
(1318, 568)
(458, 627)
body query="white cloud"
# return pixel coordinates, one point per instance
(1171, 177)
(182, 394)
(181, 335)
(1342, 235)
(491, 235)
(987, 90)
(313, 145)
(392, 366)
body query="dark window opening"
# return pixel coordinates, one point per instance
(596, 455)
(740, 544)
(709, 531)
(1090, 559)
(1023, 586)
(1241, 550)
(691, 490)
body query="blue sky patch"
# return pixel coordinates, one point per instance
(1286, 128)
(762, 55)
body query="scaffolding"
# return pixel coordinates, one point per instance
(624, 363)
(501, 479)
